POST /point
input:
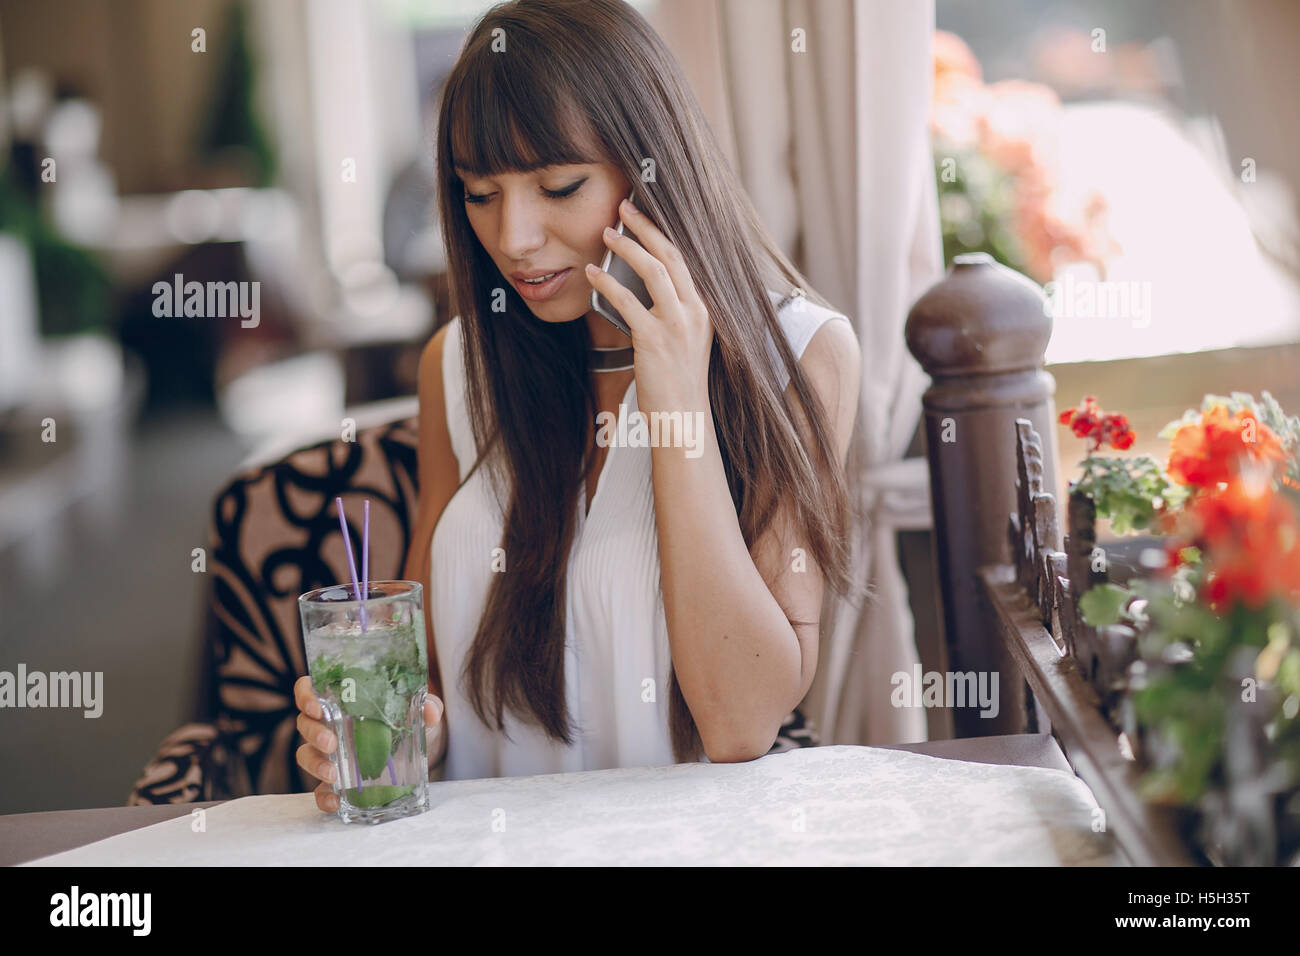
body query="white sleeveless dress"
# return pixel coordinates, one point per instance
(617, 679)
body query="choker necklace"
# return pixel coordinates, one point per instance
(611, 359)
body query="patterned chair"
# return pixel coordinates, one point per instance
(275, 535)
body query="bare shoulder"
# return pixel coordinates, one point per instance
(437, 462)
(431, 356)
(832, 361)
(834, 353)
(433, 404)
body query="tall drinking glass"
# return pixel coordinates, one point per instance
(370, 671)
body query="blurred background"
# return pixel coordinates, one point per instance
(286, 142)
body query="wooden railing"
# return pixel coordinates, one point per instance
(1009, 588)
(1076, 672)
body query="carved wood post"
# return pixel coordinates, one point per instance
(980, 333)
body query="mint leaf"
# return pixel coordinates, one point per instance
(371, 692)
(395, 707)
(326, 672)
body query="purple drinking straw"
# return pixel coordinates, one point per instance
(352, 564)
(365, 549)
(365, 585)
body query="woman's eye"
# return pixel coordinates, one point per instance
(567, 191)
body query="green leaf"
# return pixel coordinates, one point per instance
(1126, 491)
(1288, 672)
(395, 707)
(326, 672)
(1102, 605)
(371, 693)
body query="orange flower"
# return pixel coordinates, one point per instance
(1214, 450)
(959, 94)
(1018, 129)
(953, 58)
(1251, 537)
(1015, 124)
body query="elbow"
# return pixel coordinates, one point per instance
(739, 743)
(736, 751)
(733, 754)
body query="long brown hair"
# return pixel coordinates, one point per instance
(534, 79)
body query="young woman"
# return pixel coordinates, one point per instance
(593, 604)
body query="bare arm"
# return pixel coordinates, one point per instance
(439, 476)
(741, 664)
(738, 659)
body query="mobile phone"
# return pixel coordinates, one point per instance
(627, 277)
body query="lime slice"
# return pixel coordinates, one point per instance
(377, 795)
(373, 743)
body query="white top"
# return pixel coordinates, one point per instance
(617, 678)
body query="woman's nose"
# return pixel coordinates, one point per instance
(522, 233)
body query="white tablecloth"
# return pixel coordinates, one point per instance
(821, 805)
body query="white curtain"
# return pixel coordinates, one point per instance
(832, 144)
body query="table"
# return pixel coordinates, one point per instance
(28, 836)
(824, 805)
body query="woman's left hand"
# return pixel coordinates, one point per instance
(674, 339)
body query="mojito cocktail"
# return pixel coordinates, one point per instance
(372, 677)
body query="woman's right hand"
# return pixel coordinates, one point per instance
(313, 756)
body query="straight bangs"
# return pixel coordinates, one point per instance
(504, 119)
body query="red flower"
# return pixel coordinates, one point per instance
(1173, 554)
(1084, 424)
(1089, 421)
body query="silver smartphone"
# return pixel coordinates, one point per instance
(627, 277)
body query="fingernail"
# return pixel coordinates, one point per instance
(628, 206)
(610, 233)
(590, 269)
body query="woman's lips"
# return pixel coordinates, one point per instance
(543, 291)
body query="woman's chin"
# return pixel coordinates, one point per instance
(557, 312)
